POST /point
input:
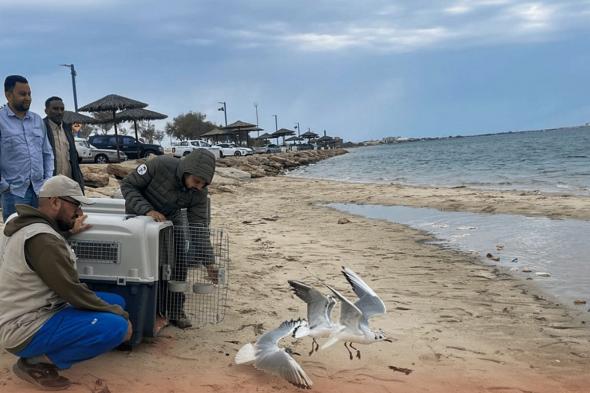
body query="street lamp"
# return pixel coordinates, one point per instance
(276, 123)
(258, 131)
(73, 72)
(224, 110)
(298, 128)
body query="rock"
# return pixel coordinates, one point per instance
(493, 258)
(526, 270)
(579, 301)
(96, 180)
(119, 171)
(343, 220)
(543, 274)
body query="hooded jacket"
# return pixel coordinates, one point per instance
(159, 185)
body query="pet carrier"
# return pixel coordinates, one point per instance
(159, 268)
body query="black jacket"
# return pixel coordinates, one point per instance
(76, 172)
(158, 185)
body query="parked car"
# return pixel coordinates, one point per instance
(83, 149)
(270, 148)
(104, 156)
(229, 149)
(185, 147)
(127, 144)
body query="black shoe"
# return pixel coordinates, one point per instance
(182, 323)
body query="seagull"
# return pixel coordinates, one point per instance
(354, 318)
(268, 356)
(319, 308)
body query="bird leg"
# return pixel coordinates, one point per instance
(349, 352)
(358, 353)
(313, 346)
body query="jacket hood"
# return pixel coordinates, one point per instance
(27, 215)
(199, 162)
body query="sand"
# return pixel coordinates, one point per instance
(459, 325)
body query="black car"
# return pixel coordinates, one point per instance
(127, 144)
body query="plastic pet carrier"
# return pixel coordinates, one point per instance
(165, 270)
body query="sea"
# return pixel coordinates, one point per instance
(555, 254)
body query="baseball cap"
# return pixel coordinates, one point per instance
(63, 186)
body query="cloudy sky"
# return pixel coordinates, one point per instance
(357, 69)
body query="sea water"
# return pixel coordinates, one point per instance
(556, 253)
(548, 161)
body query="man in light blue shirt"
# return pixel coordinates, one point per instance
(26, 157)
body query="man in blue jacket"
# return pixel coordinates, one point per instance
(26, 159)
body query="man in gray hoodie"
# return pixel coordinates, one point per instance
(160, 188)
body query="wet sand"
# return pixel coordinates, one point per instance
(457, 324)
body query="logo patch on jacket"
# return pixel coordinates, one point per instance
(142, 169)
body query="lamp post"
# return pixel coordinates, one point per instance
(224, 110)
(256, 106)
(73, 72)
(298, 128)
(276, 123)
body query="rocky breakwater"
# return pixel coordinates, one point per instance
(102, 181)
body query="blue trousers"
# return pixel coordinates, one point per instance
(10, 200)
(73, 335)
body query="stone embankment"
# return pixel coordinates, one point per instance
(103, 180)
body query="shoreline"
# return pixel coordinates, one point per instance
(459, 325)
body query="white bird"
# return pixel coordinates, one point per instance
(319, 308)
(268, 356)
(354, 318)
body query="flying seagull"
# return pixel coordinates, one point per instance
(268, 356)
(319, 308)
(354, 318)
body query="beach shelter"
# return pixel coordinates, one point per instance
(309, 135)
(75, 117)
(138, 114)
(240, 129)
(217, 134)
(282, 133)
(113, 103)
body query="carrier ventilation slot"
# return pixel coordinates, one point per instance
(96, 251)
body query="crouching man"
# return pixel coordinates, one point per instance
(48, 318)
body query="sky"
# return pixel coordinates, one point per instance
(360, 70)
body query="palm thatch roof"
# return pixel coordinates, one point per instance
(294, 138)
(282, 132)
(112, 102)
(139, 114)
(266, 135)
(217, 131)
(75, 117)
(309, 134)
(240, 124)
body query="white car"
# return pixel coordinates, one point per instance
(229, 149)
(185, 147)
(83, 149)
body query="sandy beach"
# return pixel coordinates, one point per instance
(458, 325)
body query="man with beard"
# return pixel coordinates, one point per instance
(26, 159)
(48, 318)
(62, 141)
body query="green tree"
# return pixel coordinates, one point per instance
(189, 125)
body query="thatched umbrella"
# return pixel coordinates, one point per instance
(138, 114)
(294, 139)
(309, 135)
(241, 127)
(282, 132)
(75, 117)
(216, 134)
(113, 103)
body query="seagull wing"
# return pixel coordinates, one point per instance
(280, 363)
(275, 360)
(318, 305)
(350, 315)
(369, 303)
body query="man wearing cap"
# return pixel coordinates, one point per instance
(48, 318)
(160, 188)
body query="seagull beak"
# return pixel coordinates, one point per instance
(388, 340)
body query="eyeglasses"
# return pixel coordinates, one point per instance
(72, 201)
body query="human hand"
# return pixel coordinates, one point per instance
(129, 331)
(157, 216)
(213, 274)
(80, 225)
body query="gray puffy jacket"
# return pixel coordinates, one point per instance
(158, 185)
